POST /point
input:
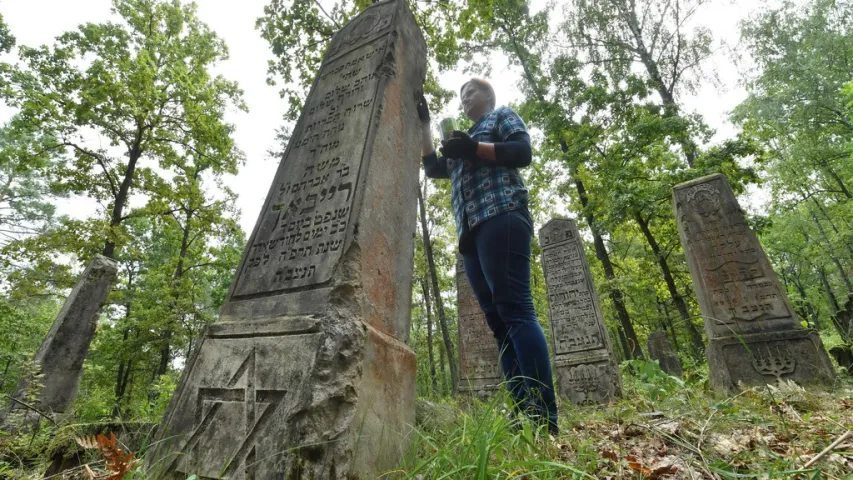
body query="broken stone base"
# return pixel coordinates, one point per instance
(796, 355)
(588, 379)
(661, 350)
(246, 411)
(306, 374)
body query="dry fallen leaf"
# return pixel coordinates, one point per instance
(610, 455)
(651, 474)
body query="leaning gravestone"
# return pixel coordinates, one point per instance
(479, 364)
(661, 350)
(307, 374)
(59, 359)
(587, 371)
(754, 335)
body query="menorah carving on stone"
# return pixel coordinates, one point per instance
(585, 379)
(774, 364)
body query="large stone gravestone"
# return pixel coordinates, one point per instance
(479, 365)
(661, 350)
(754, 335)
(587, 371)
(307, 374)
(60, 357)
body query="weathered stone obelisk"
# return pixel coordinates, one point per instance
(307, 374)
(60, 357)
(754, 335)
(587, 370)
(661, 350)
(479, 366)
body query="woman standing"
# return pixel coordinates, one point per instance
(495, 230)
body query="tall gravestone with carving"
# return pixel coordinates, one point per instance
(479, 365)
(59, 359)
(307, 374)
(754, 336)
(587, 371)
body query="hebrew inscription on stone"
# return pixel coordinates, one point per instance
(738, 279)
(478, 352)
(303, 228)
(301, 332)
(584, 362)
(574, 314)
(754, 335)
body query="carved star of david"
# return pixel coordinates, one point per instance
(259, 406)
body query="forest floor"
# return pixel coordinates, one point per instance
(662, 428)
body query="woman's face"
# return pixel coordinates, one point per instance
(475, 101)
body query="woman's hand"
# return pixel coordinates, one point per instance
(460, 145)
(423, 109)
(427, 147)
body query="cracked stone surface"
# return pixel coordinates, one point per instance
(307, 374)
(753, 333)
(585, 366)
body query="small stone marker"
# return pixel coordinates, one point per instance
(60, 357)
(307, 374)
(587, 371)
(661, 350)
(479, 364)
(742, 302)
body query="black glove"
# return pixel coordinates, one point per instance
(423, 109)
(459, 145)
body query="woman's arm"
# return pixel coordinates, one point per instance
(427, 146)
(434, 167)
(515, 152)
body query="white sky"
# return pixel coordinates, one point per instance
(37, 22)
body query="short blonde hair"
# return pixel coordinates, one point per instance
(485, 86)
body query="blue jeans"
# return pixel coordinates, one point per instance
(497, 262)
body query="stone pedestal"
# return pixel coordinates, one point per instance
(479, 364)
(60, 357)
(307, 374)
(661, 350)
(587, 370)
(754, 335)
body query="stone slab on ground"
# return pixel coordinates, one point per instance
(586, 368)
(754, 335)
(307, 374)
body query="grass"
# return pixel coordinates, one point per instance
(662, 427)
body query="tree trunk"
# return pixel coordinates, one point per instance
(832, 256)
(134, 154)
(808, 304)
(432, 376)
(120, 375)
(5, 372)
(817, 204)
(626, 350)
(601, 253)
(439, 304)
(677, 299)
(673, 336)
(614, 292)
(653, 70)
(839, 182)
(442, 368)
(833, 301)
